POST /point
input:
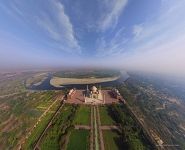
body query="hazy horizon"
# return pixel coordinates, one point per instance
(133, 35)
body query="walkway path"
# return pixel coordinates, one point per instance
(86, 127)
(92, 132)
(99, 129)
(96, 135)
(12, 94)
(96, 139)
(112, 127)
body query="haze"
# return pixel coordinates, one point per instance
(135, 35)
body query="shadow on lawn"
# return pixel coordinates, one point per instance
(119, 141)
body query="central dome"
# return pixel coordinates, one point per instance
(94, 89)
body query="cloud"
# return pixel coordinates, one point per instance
(108, 19)
(137, 30)
(12, 9)
(168, 58)
(111, 47)
(167, 24)
(61, 30)
(159, 45)
(156, 43)
(52, 20)
(110, 13)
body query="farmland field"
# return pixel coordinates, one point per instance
(37, 132)
(78, 140)
(30, 142)
(83, 115)
(19, 113)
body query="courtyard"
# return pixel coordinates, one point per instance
(78, 97)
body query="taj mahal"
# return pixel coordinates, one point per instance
(94, 95)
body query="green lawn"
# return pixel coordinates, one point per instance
(83, 115)
(78, 140)
(105, 117)
(112, 140)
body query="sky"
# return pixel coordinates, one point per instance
(131, 34)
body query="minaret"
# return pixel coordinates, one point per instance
(99, 87)
(87, 91)
(84, 98)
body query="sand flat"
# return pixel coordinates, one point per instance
(58, 82)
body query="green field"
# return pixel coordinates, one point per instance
(83, 115)
(105, 117)
(56, 135)
(112, 140)
(78, 140)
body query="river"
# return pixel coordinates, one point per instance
(45, 85)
